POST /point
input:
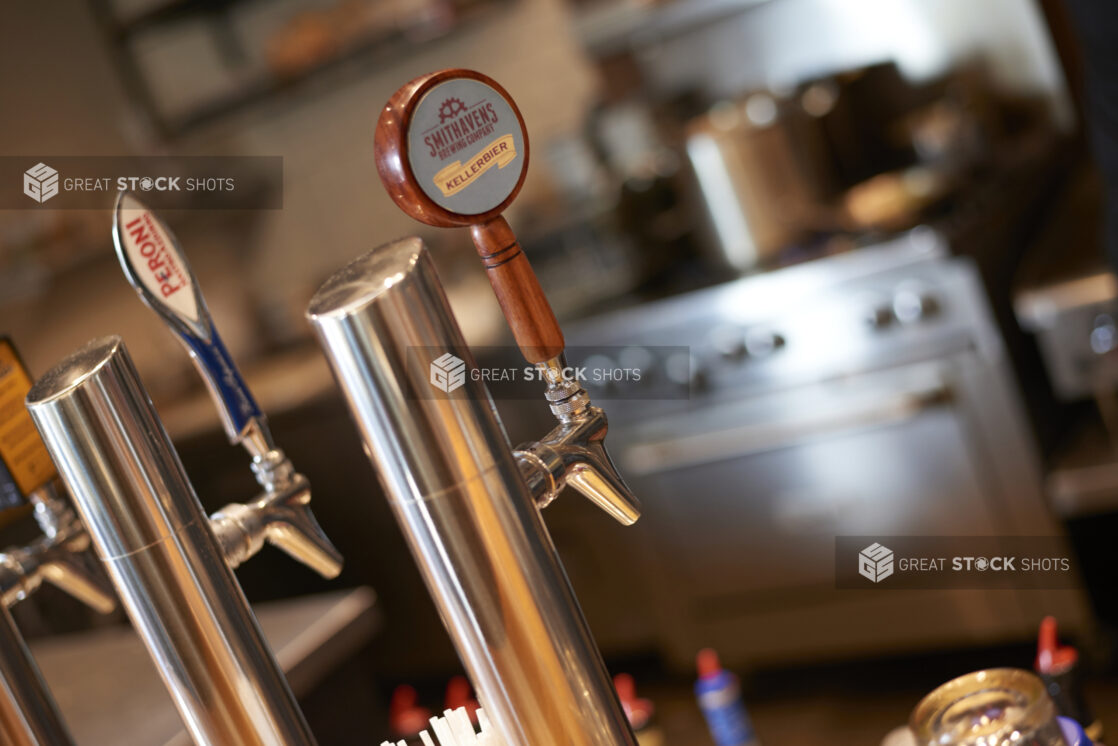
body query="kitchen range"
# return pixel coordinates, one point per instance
(868, 393)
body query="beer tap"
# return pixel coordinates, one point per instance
(157, 268)
(455, 489)
(28, 714)
(162, 554)
(452, 150)
(57, 557)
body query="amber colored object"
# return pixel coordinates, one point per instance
(996, 706)
(514, 282)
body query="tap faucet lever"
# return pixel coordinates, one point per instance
(156, 266)
(574, 452)
(522, 300)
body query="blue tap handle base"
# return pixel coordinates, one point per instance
(239, 409)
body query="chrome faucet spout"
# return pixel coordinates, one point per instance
(574, 454)
(594, 475)
(29, 715)
(58, 557)
(281, 517)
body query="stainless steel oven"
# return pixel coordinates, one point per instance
(863, 394)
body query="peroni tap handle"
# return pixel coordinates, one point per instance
(156, 266)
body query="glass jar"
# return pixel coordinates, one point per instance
(996, 707)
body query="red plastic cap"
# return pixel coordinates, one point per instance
(626, 687)
(459, 693)
(405, 716)
(639, 711)
(708, 664)
(1051, 657)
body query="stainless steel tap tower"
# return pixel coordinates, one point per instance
(468, 504)
(167, 564)
(29, 715)
(171, 564)
(469, 516)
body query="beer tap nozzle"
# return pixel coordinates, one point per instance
(156, 266)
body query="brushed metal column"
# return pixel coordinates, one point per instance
(28, 714)
(458, 495)
(149, 529)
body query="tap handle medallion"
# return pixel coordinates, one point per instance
(157, 268)
(452, 150)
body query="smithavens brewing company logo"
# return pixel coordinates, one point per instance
(466, 126)
(476, 123)
(463, 137)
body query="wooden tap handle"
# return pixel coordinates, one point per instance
(514, 282)
(452, 150)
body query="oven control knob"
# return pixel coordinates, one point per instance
(637, 359)
(685, 370)
(1104, 334)
(879, 316)
(728, 341)
(762, 342)
(598, 372)
(912, 304)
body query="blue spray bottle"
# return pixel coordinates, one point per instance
(720, 700)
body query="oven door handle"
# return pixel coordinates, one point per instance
(680, 452)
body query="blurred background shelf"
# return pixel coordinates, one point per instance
(255, 51)
(614, 26)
